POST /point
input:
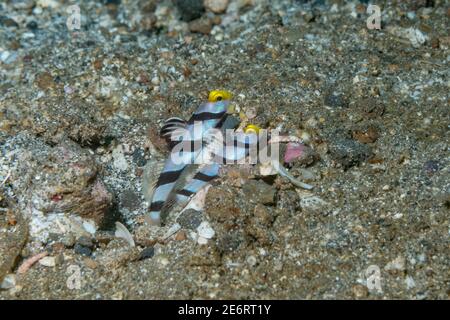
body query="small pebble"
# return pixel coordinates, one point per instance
(32, 25)
(216, 6)
(204, 230)
(48, 262)
(79, 249)
(396, 264)
(259, 192)
(190, 219)
(68, 241)
(85, 242)
(147, 253)
(201, 240)
(9, 281)
(348, 152)
(180, 236)
(201, 25)
(251, 260)
(410, 283)
(163, 260)
(190, 9)
(139, 157)
(91, 264)
(431, 167)
(336, 100)
(359, 291)
(89, 227)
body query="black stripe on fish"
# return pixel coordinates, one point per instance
(185, 192)
(204, 116)
(203, 177)
(169, 129)
(168, 177)
(156, 206)
(170, 125)
(221, 121)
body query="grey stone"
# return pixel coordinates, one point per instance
(190, 219)
(190, 9)
(259, 192)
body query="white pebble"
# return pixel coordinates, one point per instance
(89, 227)
(119, 159)
(396, 264)
(216, 6)
(251, 260)
(9, 281)
(410, 283)
(155, 81)
(205, 231)
(48, 261)
(202, 240)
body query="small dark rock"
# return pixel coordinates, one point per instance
(231, 241)
(116, 2)
(139, 157)
(366, 135)
(79, 249)
(371, 108)
(348, 152)
(8, 22)
(336, 100)
(68, 241)
(431, 166)
(259, 192)
(190, 219)
(32, 25)
(147, 253)
(85, 242)
(190, 9)
(201, 25)
(130, 200)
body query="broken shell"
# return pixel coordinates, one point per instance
(293, 151)
(205, 231)
(122, 232)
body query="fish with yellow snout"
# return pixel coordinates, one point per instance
(184, 174)
(198, 149)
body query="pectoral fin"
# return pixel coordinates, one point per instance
(151, 174)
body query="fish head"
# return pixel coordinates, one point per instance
(219, 95)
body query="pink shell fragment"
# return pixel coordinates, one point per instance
(293, 151)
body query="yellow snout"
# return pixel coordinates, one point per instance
(219, 95)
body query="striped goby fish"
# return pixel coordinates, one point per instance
(182, 178)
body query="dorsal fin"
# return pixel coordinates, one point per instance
(170, 125)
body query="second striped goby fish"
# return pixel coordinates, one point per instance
(182, 176)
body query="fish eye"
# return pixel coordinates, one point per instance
(219, 95)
